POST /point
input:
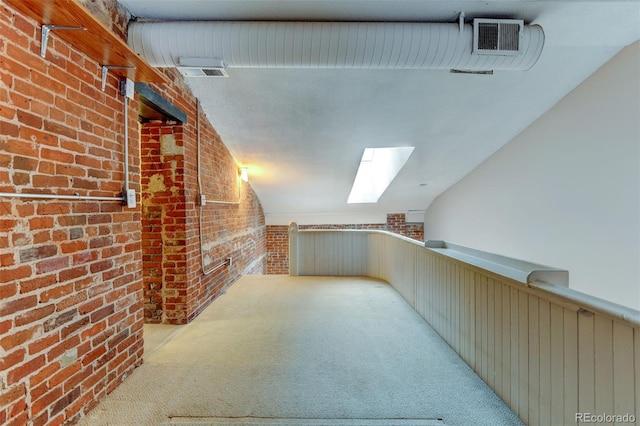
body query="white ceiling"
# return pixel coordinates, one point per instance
(302, 131)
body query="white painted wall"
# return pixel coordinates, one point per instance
(566, 191)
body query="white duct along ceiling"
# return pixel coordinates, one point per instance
(238, 44)
(302, 131)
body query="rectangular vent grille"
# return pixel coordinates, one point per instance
(497, 36)
(488, 36)
(214, 72)
(203, 72)
(509, 37)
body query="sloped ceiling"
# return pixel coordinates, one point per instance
(302, 132)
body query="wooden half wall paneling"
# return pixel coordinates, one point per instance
(549, 356)
(331, 252)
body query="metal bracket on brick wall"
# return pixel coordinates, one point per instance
(227, 262)
(105, 72)
(46, 29)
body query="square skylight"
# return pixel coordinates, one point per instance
(378, 167)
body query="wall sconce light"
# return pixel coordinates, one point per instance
(244, 174)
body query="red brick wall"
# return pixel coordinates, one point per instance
(162, 218)
(234, 231)
(278, 238)
(277, 249)
(109, 14)
(415, 231)
(176, 289)
(396, 223)
(71, 276)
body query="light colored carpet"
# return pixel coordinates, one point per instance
(157, 335)
(279, 347)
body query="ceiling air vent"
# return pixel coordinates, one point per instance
(214, 72)
(202, 67)
(497, 36)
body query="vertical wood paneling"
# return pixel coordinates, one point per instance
(373, 255)
(515, 353)
(449, 301)
(604, 364)
(303, 253)
(461, 310)
(470, 310)
(473, 320)
(534, 361)
(464, 316)
(557, 364)
(498, 338)
(523, 355)
(420, 278)
(570, 366)
(586, 363)
(307, 250)
(360, 246)
(345, 250)
(363, 245)
(442, 297)
(623, 384)
(435, 276)
(636, 344)
(408, 252)
(438, 283)
(544, 359)
(331, 266)
(345, 253)
(474, 332)
(426, 272)
(440, 277)
(452, 319)
(481, 281)
(413, 262)
(446, 289)
(477, 344)
(506, 344)
(491, 328)
(544, 312)
(317, 249)
(455, 314)
(431, 264)
(320, 253)
(417, 276)
(443, 300)
(378, 256)
(323, 262)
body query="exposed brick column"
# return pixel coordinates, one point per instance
(396, 223)
(163, 214)
(177, 288)
(277, 249)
